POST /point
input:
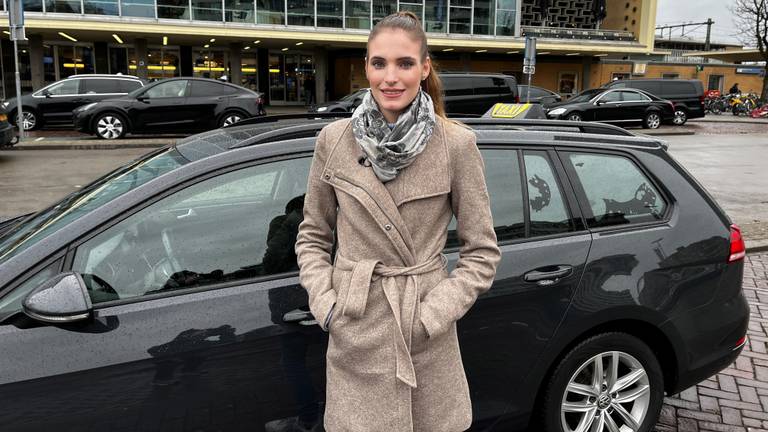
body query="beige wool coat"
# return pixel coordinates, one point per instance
(393, 360)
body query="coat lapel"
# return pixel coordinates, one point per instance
(427, 176)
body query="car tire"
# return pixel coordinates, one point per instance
(571, 397)
(110, 126)
(681, 116)
(30, 119)
(652, 120)
(574, 117)
(231, 117)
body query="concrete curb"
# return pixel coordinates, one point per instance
(670, 133)
(727, 120)
(754, 246)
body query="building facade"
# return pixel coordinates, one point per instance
(291, 48)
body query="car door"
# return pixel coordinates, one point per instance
(544, 248)
(199, 320)
(633, 105)
(488, 92)
(608, 107)
(459, 95)
(58, 100)
(162, 108)
(207, 100)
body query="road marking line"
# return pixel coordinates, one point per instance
(39, 139)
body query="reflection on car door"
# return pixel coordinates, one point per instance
(204, 99)
(544, 249)
(633, 104)
(61, 100)
(163, 109)
(200, 322)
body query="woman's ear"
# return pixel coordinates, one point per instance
(365, 68)
(426, 68)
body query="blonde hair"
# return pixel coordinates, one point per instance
(409, 23)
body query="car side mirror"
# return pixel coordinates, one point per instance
(600, 102)
(62, 299)
(142, 98)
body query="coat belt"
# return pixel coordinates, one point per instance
(352, 298)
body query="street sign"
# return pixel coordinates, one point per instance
(530, 51)
(529, 70)
(16, 19)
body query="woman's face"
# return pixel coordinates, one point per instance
(394, 70)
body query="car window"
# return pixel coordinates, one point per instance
(176, 88)
(490, 85)
(537, 92)
(613, 96)
(64, 88)
(11, 303)
(238, 225)
(630, 96)
(99, 85)
(678, 88)
(205, 89)
(617, 191)
(127, 86)
(458, 86)
(546, 205)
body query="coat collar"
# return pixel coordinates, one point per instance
(427, 176)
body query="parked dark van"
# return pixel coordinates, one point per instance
(687, 95)
(476, 93)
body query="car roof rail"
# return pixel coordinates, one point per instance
(308, 130)
(297, 116)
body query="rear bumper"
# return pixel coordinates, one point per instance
(82, 122)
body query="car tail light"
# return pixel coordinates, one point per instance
(738, 251)
(701, 99)
(740, 343)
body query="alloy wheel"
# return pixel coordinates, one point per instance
(109, 127)
(574, 117)
(680, 117)
(653, 121)
(28, 120)
(231, 119)
(609, 392)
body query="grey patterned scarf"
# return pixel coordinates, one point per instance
(390, 150)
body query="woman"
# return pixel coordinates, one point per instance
(388, 182)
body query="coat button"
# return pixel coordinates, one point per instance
(387, 227)
(327, 176)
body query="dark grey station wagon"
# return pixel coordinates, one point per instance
(165, 295)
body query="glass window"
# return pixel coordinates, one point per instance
(630, 96)
(381, 9)
(238, 11)
(435, 16)
(96, 85)
(613, 96)
(490, 86)
(358, 14)
(162, 62)
(270, 12)
(301, 13)
(173, 9)
(65, 87)
(714, 82)
(484, 17)
(249, 71)
(329, 13)
(205, 89)
(209, 63)
(101, 7)
(546, 205)
(11, 303)
(206, 10)
(118, 60)
(502, 178)
(127, 86)
(235, 226)
(31, 5)
(678, 88)
(506, 13)
(670, 76)
(412, 6)
(175, 88)
(617, 191)
(141, 8)
(75, 60)
(458, 86)
(461, 18)
(62, 6)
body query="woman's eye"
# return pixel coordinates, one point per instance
(378, 64)
(406, 65)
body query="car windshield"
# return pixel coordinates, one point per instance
(586, 95)
(93, 196)
(350, 97)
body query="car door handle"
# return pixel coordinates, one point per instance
(548, 275)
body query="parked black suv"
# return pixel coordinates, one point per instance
(165, 295)
(687, 95)
(54, 103)
(476, 93)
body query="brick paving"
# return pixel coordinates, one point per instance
(736, 399)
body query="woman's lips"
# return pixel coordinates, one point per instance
(392, 94)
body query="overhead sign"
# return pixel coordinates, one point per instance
(529, 70)
(750, 70)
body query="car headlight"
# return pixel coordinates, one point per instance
(321, 109)
(556, 112)
(87, 107)
(5, 104)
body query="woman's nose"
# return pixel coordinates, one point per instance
(391, 75)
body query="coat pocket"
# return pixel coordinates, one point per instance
(340, 280)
